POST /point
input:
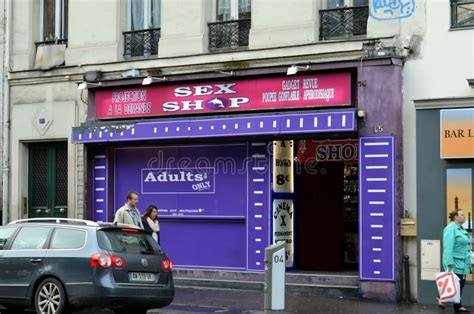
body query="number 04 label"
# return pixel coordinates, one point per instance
(283, 166)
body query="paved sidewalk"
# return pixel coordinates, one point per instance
(207, 300)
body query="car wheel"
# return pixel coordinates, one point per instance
(50, 297)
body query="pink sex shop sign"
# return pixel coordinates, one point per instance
(315, 90)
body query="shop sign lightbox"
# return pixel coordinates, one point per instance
(310, 90)
(457, 133)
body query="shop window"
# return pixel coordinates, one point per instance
(459, 182)
(462, 13)
(343, 19)
(232, 28)
(143, 33)
(53, 21)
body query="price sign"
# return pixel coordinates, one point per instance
(283, 166)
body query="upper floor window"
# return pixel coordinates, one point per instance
(462, 13)
(231, 31)
(53, 21)
(144, 19)
(339, 4)
(229, 10)
(143, 14)
(343, 19)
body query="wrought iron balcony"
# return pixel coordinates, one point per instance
(343, 22)
(51, 42)
(142, 43)
(229, 35)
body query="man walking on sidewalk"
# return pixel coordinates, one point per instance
(129, 213)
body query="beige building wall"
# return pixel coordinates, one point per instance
(282, 33)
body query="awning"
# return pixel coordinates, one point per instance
(240, 125)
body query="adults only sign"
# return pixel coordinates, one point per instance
(190, 181)
(321, 90)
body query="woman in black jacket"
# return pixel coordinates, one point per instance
(150, 222)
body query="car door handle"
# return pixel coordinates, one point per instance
(36, 260)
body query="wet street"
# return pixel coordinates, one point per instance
(209, 300)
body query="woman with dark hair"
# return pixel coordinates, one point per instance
(457, 251)
(150, 222)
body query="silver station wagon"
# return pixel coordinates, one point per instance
(56, 264)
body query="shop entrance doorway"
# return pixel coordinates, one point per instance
(326, 215)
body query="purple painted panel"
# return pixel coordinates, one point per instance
(99, 186)
(258, 223)
(204, 244)
(188, 181)
(288, 123)
(377, 208)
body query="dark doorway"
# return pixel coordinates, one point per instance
(319, 217)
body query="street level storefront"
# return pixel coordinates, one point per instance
(237, 164)
(445, 164)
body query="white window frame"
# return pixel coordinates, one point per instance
(59, 20)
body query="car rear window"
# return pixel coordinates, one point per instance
(68, 239)
(132, 242)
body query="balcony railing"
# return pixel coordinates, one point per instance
(51, 42)
(142, 43)
(229, 35)
(343, 22)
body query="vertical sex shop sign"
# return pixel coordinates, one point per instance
(283, 190)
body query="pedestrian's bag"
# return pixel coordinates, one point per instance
(449, 289)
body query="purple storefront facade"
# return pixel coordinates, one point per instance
(201, 149)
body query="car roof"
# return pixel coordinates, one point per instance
(71, 222)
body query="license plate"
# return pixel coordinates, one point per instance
(142, 277)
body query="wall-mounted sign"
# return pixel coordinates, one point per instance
(189, 181)
(323, 151)
(283, 165)
(178, 181)
(283, 226)
(315, 90)
(457, 133)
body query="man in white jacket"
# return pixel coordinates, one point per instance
(129, 213)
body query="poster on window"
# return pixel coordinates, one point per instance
(459, 196)
(283, 210)
(283, 167)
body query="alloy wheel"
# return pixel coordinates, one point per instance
(49, 298)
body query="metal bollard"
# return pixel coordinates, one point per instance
(274, 285)
(406, 264)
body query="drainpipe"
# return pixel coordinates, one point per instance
(7, 26)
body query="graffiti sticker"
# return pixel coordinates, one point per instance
(391, 9)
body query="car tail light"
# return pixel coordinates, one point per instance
(166, 264)
(118, 262)
(101, 260)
